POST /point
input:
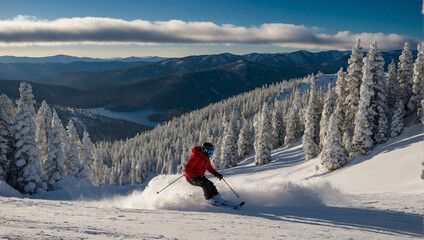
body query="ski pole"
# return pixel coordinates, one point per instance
(231, 188)
(170, 184)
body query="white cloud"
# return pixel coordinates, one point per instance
(26, 30)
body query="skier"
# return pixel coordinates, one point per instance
(195, 170)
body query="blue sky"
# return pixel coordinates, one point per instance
(222, 26)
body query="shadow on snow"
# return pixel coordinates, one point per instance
(370, 220)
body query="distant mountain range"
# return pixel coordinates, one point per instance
(32, 71)
(182, 91)
(177, 83)
(69, 59)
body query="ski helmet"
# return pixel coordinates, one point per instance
(207, 148)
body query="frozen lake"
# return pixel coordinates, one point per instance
(138, 116)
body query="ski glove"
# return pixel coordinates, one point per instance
(218, 175)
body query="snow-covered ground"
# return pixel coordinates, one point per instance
(379, 196)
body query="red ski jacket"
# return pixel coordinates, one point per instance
(198, 164)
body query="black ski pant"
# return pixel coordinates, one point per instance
(209, 190)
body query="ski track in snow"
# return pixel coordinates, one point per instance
(379, 196)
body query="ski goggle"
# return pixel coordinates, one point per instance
(210, 153)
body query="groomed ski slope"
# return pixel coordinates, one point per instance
(379, 196)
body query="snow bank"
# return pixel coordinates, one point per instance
(72, 188)
(8, 191)
(393, 167)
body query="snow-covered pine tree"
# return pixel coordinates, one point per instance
(43, 120)
(333, 155)
(26, 174)
(422, 121)
(160, 161)
(418, 86)
(277, 126)
(72, 162)
(216, 158)
(245, 144)
(341, 87)
(303, 108)
(341, 91)
(185, 156)
(54, 165)
(392, 86)
(292, 126)
(124, 171)
(310, 137)
(422, 110)
(329, 106)
(362, 142)
(256, 128)
(6, 120)
(98, 171)
(86, 156)
(141, 171)
(115, 173)
(299, 106)
(229, 153)
(405, 72)
(379, 107)
(397, 124)
(353, 81)
(169, 165)
(263, 145)
(229, 156)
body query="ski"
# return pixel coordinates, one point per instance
(238, 206)
(230, 205)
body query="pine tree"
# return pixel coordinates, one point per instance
(397, 119)
(245, 144)
(379, 107)
(229, 155)
(124, 171)
(292, 126)
(422, 121)
(353, 81)
(26, 174)
(185, 156)
(422, 111)
(99, 169)
(418, 86)
(263, 145)
(362, 142)
(333, 155)
(54, 166)
(329, 106)
(72, 162)
(341, 90)
(310, 137)
(6, 121)
(405, 72)
(160, 163)
(141, 171)
(169, 165)
(392, 86)
(86, 156)
(299, 116)
(277, 127)
(43, 120)
(115, 173)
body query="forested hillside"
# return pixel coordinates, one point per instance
(338, 118)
